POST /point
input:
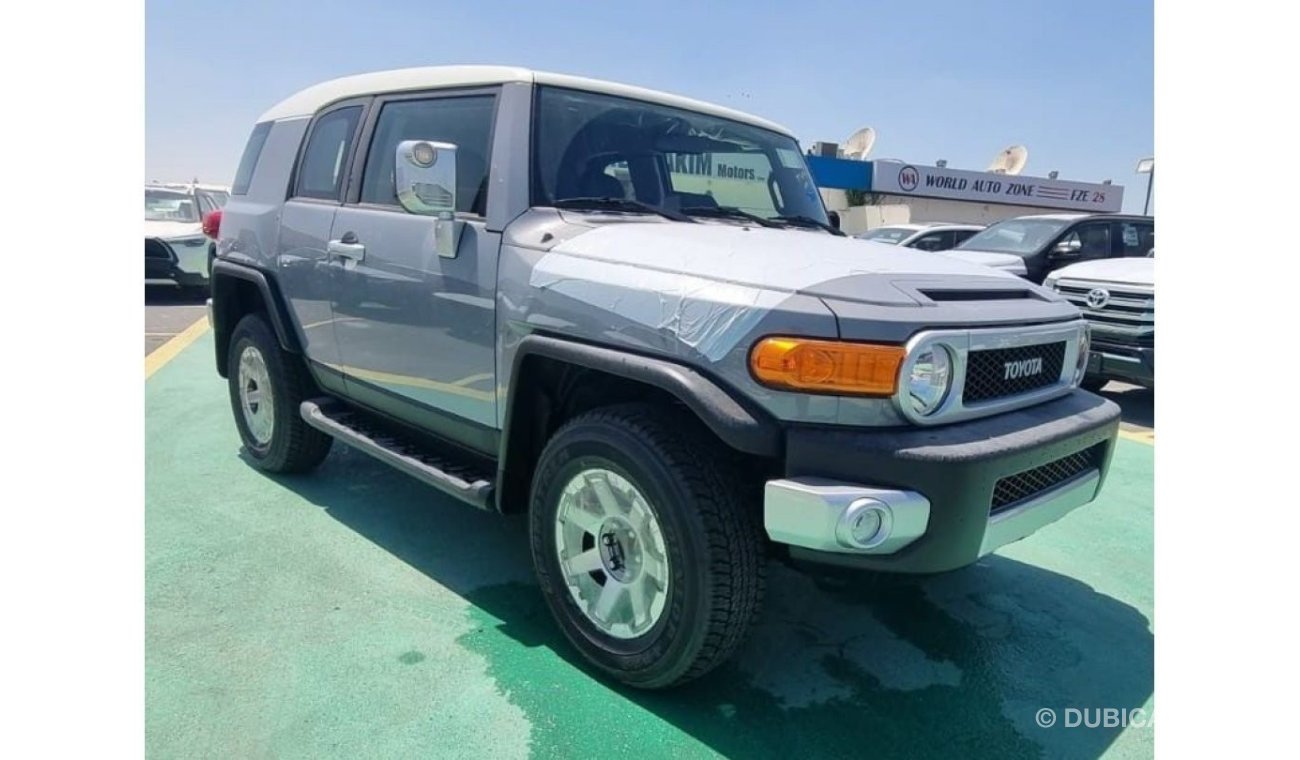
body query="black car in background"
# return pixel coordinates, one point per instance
(1050, 241)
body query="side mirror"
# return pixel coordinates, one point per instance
(834, 218)
(1067, 248)
(425, 179)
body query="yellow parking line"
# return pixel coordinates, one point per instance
(1141, 436)
(455, 389)
(168, 351)
(473, 379)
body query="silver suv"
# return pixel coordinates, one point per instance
(626, 314)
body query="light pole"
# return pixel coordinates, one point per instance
(1147, 166)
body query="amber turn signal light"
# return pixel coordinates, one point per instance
(826, 366)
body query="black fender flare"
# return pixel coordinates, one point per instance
(226, 314)
(736, 422)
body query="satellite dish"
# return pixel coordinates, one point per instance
(1010, 161)
(859, 143)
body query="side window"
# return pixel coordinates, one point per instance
(321, 173)
(1094, 240)
(464, 121)
(935, 241)
(248, 162)
(1136, 239)
(961, 236)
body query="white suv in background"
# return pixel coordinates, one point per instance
(177, 250)
(926, 236)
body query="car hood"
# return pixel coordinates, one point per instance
(1131, 271)
(786, 260)
(1004, 261)
(710, 285)
(171, 230)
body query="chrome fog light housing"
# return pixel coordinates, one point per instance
(865, 524)
(930, 379)
(1081, 362)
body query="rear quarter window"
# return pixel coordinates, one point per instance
(248, 162)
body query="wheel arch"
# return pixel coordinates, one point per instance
(237, 290)
(554, 379)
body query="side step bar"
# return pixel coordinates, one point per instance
(333, 418)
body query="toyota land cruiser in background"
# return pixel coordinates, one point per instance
(177, 251)
(1118, 298)
(1047, 242)
(624, 313)
(927, 236)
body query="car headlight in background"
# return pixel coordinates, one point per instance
(930, 379)
(1050, 282)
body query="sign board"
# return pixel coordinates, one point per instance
(984, 187)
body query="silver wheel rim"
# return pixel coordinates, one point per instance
(255, 396)
(612, 553)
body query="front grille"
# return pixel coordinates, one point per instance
(1128, 317)
(1002, 372)
(156, 249)
(1013, 489)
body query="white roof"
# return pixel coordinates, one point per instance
(309, 101)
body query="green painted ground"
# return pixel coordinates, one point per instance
(356, 613)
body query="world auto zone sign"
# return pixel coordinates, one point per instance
(983, 187)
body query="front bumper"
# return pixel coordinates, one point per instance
(167, 261)
(955, 492)
(1132, 364)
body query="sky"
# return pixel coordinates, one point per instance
(947, 79)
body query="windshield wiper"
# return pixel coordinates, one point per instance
(807, 221)
(729, 212)
(622, 204)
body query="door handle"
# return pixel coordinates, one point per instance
(347, 248)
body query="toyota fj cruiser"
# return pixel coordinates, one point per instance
(627, 314)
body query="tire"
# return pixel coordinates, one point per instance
(710, 539)
(289, 444)
(1094, 383)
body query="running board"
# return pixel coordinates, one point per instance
(460, 481)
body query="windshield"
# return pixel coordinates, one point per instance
(588, 146)
(1019, 236)
(169, 206)
(893, 235)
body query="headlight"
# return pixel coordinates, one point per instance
(1081, 364)
(930, 379)
(1050, 282)
(826, 366)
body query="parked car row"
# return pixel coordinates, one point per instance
(179, 244)
(1102, 263)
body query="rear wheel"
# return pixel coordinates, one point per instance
(266, 387)
(649, 561)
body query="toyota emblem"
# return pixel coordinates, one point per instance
(1098, 298)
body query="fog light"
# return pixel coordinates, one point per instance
(865, 524)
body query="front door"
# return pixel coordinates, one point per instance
(416, 331)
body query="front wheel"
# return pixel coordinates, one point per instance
(647, 558)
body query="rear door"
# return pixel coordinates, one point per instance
(316, 193)
(416, 331)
